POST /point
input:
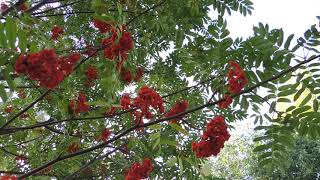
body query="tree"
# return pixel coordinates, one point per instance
(238, 161)
(88, 93)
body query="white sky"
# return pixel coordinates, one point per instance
(294, 16)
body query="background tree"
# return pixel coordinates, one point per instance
(238, 161)
(88, 93)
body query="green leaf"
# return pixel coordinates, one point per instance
(11, 31)
(306, 100)
(287, 43)
(265, 162)
(298, 94)
(9, 79)
(155, 135)
(300, 110)
(262, 147)
(170, 142)
(172, 161)
(3, 40)
(180, 166)
(280, 38)
(315, 105)
(178, 128)
(3, 93)
(22, 41)
(287, 92)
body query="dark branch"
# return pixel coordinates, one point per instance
(145, 11)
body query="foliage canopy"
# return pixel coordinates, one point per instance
(41, 137)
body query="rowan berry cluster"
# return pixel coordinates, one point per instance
(102, 25)
(237, 78)
(127, 77)
(178, 108)
(8, 177)
(140, 171)
(91, 74)
(147, 98)
(213, 138)
(236, 82)
(80, 105)
(46, 67)
(105, 134)
(56, 31)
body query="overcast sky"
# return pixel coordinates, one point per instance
(294, 16)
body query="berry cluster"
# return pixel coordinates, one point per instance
(56, 32)
(102, 26)
(46, 66)
(147, 98)
(80, 105)
(127, 77)
(226, 102)
(118, 47)
(125, 101)
(213, 138)
(237, 78)
(105, 134)
(8, 177)
(140, 171)
(178, 108)
(91, 74)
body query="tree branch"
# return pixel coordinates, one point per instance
(145, 11)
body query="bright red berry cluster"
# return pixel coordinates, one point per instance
(125, 101)
(8, 177)
(80, 105)
(213, 138)
(102, 26)
(147, 98)
(91, 74)
(46, 66)
(127, 77)
(56, 32)
(140, 171)
(237, 78)
(105, 134)
(178, 108)
(226, 102)
(121, 48)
